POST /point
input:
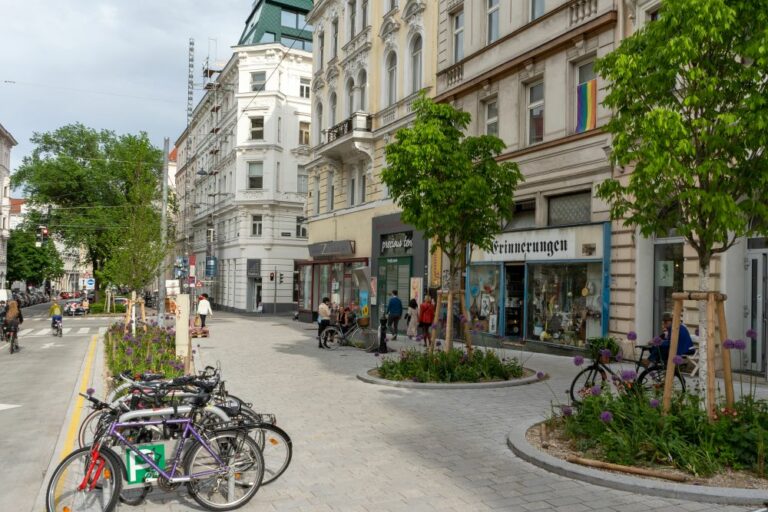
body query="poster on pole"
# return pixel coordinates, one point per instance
(417, 285)
(172, 287)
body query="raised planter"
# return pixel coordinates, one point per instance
(371, 378)
(723, 495)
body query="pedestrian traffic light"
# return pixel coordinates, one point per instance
(281, 278)
(271, 276)
(45, 233)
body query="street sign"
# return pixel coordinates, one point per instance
(88, 284)
(211, 266)
(199, 284)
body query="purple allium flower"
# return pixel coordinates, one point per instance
(567, 410)
(728, 343)
(90, 391)
(751, 333)
(618, 357)
(739, 344)
(540, 375)
(631, 335)
(419, 337)
(478, 325)
(596, 390)
(657, 341)
(677, 360)
(628, 375)
(654, 403)
(605, 352)
(129, 351)
(127, 337)
(606, 417)
(578, 360)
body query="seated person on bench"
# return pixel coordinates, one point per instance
(684, 341)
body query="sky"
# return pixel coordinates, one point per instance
(119, 65)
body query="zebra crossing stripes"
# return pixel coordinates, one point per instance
(84, 330)
(72, 331)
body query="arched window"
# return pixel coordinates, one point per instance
(416, 64)
(391, 78)
(350, 97)
(332, 113)
(362, 81)
(319, 123)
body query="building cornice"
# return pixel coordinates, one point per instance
(5, 133)
(509, 155)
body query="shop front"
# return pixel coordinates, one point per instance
(329, 274)
(399, 264)
(549, 285)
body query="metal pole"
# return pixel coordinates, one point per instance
(274, 304)
(163, 236)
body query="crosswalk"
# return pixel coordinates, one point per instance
(81, 331)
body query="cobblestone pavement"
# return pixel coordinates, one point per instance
(361, 447)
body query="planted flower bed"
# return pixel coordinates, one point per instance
(454, 365)
(150, 351)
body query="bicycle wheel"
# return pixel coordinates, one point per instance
(585, 380)
(332, 337)
(233, 489)
(101, 482)
(365, 339)
(652, 380)
(276, 448)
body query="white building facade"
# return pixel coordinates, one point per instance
(6, 144)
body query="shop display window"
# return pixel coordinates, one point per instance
(564, 303)
(305, 287)
(485, 297)
(667, 277)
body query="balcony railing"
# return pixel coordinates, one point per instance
(455, 74)
(358, 121)
(581, 10)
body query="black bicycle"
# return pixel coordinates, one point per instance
(650, 374)
(12, 335)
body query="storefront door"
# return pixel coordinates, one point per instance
(394, 274)
(757, 313)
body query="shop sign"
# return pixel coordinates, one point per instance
(397, 244)
(436, 268)
(549, 244)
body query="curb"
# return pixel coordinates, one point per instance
(520, 446)
(370, 379)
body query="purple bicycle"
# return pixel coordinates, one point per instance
(222, 469)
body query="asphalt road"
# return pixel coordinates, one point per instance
(36, 386)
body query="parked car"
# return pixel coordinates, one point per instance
(123, 301)
(74, 307)
(64, 295)
(23, 299)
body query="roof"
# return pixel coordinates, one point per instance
(173, 154)
(8, 135)
(16, 205)
(269, 20)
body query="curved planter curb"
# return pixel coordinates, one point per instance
(370, 379)
(721, 495)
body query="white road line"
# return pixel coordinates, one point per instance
(83, 330)
(8, 406)
(25, 332)
(65, 330)
(102, 330)
(43, 332)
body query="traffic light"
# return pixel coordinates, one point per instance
(271, 276)
(45, 234)
(41, 236)
(281, 278)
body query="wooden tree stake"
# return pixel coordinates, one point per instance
(669, 377)
(726, 353)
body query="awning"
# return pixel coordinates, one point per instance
(332, 249)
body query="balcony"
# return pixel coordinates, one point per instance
(347, 137)
(581, 10)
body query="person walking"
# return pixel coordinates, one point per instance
(426, 317)
(323, 320)
(394, 312)
(204, 309)
(86, 305)
(412, 317)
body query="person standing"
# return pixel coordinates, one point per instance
(86, 305)
(394, 312)
(323, 320)
(412, 317)
(426, 317)
(204, 309)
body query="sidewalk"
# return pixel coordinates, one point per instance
(361, 447)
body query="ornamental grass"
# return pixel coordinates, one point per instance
(455, 365)
(153, 350)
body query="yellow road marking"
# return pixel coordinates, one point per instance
(74, 423)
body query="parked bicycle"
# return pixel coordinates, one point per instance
(356, 335)
(650, 374)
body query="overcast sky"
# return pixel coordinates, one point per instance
(114, 64)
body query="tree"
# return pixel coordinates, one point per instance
(97, 184)
(690, 106)
(29, 263)
(449, 185)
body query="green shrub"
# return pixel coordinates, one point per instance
(637, 432)
(450, 366)
(150, 351)
(99, 307)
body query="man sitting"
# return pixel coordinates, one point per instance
(684, 341)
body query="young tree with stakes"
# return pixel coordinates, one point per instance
(688, 93)
(450, 186)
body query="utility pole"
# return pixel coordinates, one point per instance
(163, 236)
(274, 304)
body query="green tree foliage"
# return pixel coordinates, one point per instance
(691, 114)
(104, 191)
(449, 185)
(29, 263)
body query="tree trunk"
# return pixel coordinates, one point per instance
(702, 305)
(449, 317)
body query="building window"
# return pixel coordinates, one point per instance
(364, 13)
(493, 20)
(303, 133)
(537, 9)
(524, 216)
(536, 113)
(302, 180)
(257, 225)
(492, 117)
(257, 128)
(352, 184)
(299, 44)
(331, 192)
(268, 37)
(391, 78)
(570, 209)
(258, 81)
(458, 36)
(316, 194)
(255, 175)
(335, 41)
(290, 19)
(319, 118)
(332, 107)
(279, 129)
(392, 5)
(321, 44)
(653, 15)
(301, 228)
(304, 87)
(350, 97)
(362, 81)
(362, 185)
(416, 64)
(586, 98)
(352, 6)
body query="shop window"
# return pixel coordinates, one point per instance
(570, 209)
(667, 279)
(564, 303)
(485, 297)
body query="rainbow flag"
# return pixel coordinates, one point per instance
(586, 112)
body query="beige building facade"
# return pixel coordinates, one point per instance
(371, 60)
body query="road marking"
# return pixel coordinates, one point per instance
(74, 423)
(8, 406)
(102, 330)
(83, 330)
(25, 332)
(65, 330)
(43, 332)
(51, 344)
